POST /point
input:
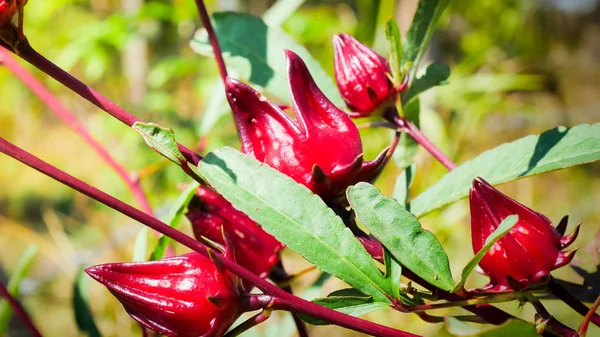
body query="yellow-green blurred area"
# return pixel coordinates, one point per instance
(518, 68)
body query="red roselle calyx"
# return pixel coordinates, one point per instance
(528, 253)
(214, 218)
(8, 9)
(186, 295)
(363, 77)
(320, 148)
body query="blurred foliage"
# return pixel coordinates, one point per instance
(517, 67)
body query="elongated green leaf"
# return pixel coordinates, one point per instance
(295, 216)
(420, 32)
(552, 150)
(174, 219)
(392, 34)
(402, 186)
(399, 231)
(161, 140)
(280, 11)
(83, 314)
(348, 301)
(407, 146)
(141, 245)
(393, 272)
(255, 50)
(436, 74)
(504, 228)
(14, 285)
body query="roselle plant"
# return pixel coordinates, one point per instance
(301, 181)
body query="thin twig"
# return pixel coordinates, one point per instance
(583, 327)
(212, 38)
(289, 302)
(69, 118)
(19, 311)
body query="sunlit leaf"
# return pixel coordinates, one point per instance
(161, 140)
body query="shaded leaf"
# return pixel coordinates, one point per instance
(161, 140)
(348, 301)
(255, 50)
(436, 74)
(83, 314)
(392, 35)
(14, 285)
(552, 150)
(399, 231)
(295, 216)
(504, 228)
(402, 186)
(175, 214)
(393, 272)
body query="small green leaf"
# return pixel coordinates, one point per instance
(295, 216)
(140, 245)
(255, 50)
(552, 150)
(14, 285)
(174, 219)
(83, 314)
(504, 228)
(161, 140)
(393, 272)
(392, 34)
(514, 327)
(402, 186)
(420, 32)
(399, 231)
(348, 301)
(436, 74)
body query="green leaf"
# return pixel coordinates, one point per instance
(436, 74)
(161, 140)
(392, 35)
(348, 301)
(407, 147)
(504, 228)
(393, 272)
(552, 150)
(14, 285)
(216, 107)
(256, 51)
(402, 186)
(174, 219)
(420, 32)
(399, 231)
(514, 327)
(140, 245)
(280, 11)
(83, 314)
(295, 216)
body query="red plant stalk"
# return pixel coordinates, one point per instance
(19, 311)
(212, 38)
(27, 53)
(285, 300)
(588, 317)
(561, 293)
(69, 118)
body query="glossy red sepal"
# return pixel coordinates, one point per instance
(320, 149)
(527, 254)
(363, 76)
(214, 218)
(184, 296)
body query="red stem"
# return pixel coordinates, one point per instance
(19, 311)
(562, 293)
(26, 52)
(293, 303)
(212, 38)
(586, 320)
(69, 118)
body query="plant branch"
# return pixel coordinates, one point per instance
(292, 303)
(249, 323)
(26, 52)
(70, 120)
(212, 38)
(583, 327)
(19, 311)
(557, 290)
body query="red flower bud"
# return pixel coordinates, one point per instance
(8, 9)
(212, 217)
(320, 148)
(528, 253)
(362, 75)
(186, 295)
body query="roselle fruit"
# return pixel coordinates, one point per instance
(527, 254)
(363, 77)
(214, 218)
(185, 296)
(320, 148)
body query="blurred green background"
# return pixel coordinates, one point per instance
(518, 67)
